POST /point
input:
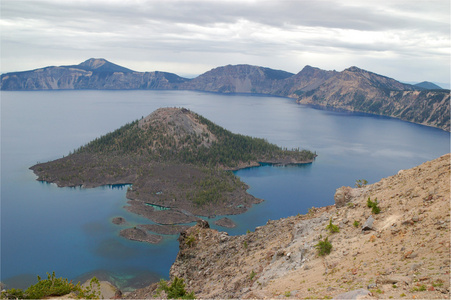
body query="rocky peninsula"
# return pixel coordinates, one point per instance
(177, 163)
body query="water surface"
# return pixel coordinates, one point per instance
(68, 230)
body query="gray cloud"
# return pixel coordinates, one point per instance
(193, 36)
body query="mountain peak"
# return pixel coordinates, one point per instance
(177, 123)
(102, 65)
(354, 69)
(94, 63)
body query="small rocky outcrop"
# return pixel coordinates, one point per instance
(225, 222)
(137, 234)
(342, 196)
(119, 221)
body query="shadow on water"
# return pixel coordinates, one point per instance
(127, 279)
(21, 281)
(95, 228)
(114, 249)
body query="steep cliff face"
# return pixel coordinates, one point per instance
(403, 251)
(359, 90)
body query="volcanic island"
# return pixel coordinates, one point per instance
(178, 165)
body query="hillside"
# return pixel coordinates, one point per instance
(352, 89)
(177, 163)
(359, 90)
(308, 79)
(239, 79)
(401, 252)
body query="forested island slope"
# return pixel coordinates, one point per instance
(352, 89)
(178, 163)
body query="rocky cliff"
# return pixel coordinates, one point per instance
(359, 90)
(402, 251)
(352, 89)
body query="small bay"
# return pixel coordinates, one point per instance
(69, 230)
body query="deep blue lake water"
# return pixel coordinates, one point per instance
(45, 228)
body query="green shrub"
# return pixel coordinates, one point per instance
(360, 183)
(190, 240)
(53, 287)
(92, 291)
(420, 288)
(332, 228)
(252, 275)
(356, 224)
(324, 247)
(13, 294)
(176, 290)
(373, 205)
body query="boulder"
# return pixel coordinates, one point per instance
(203, 224)
(368, 224)
(342, 196)
(106, 289)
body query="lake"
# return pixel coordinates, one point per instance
(69, 230)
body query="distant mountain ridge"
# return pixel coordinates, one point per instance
(353, 89)
(428, 85)
(94, 74)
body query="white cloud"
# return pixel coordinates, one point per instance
(407, 40)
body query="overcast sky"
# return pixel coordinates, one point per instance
(405, 40)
